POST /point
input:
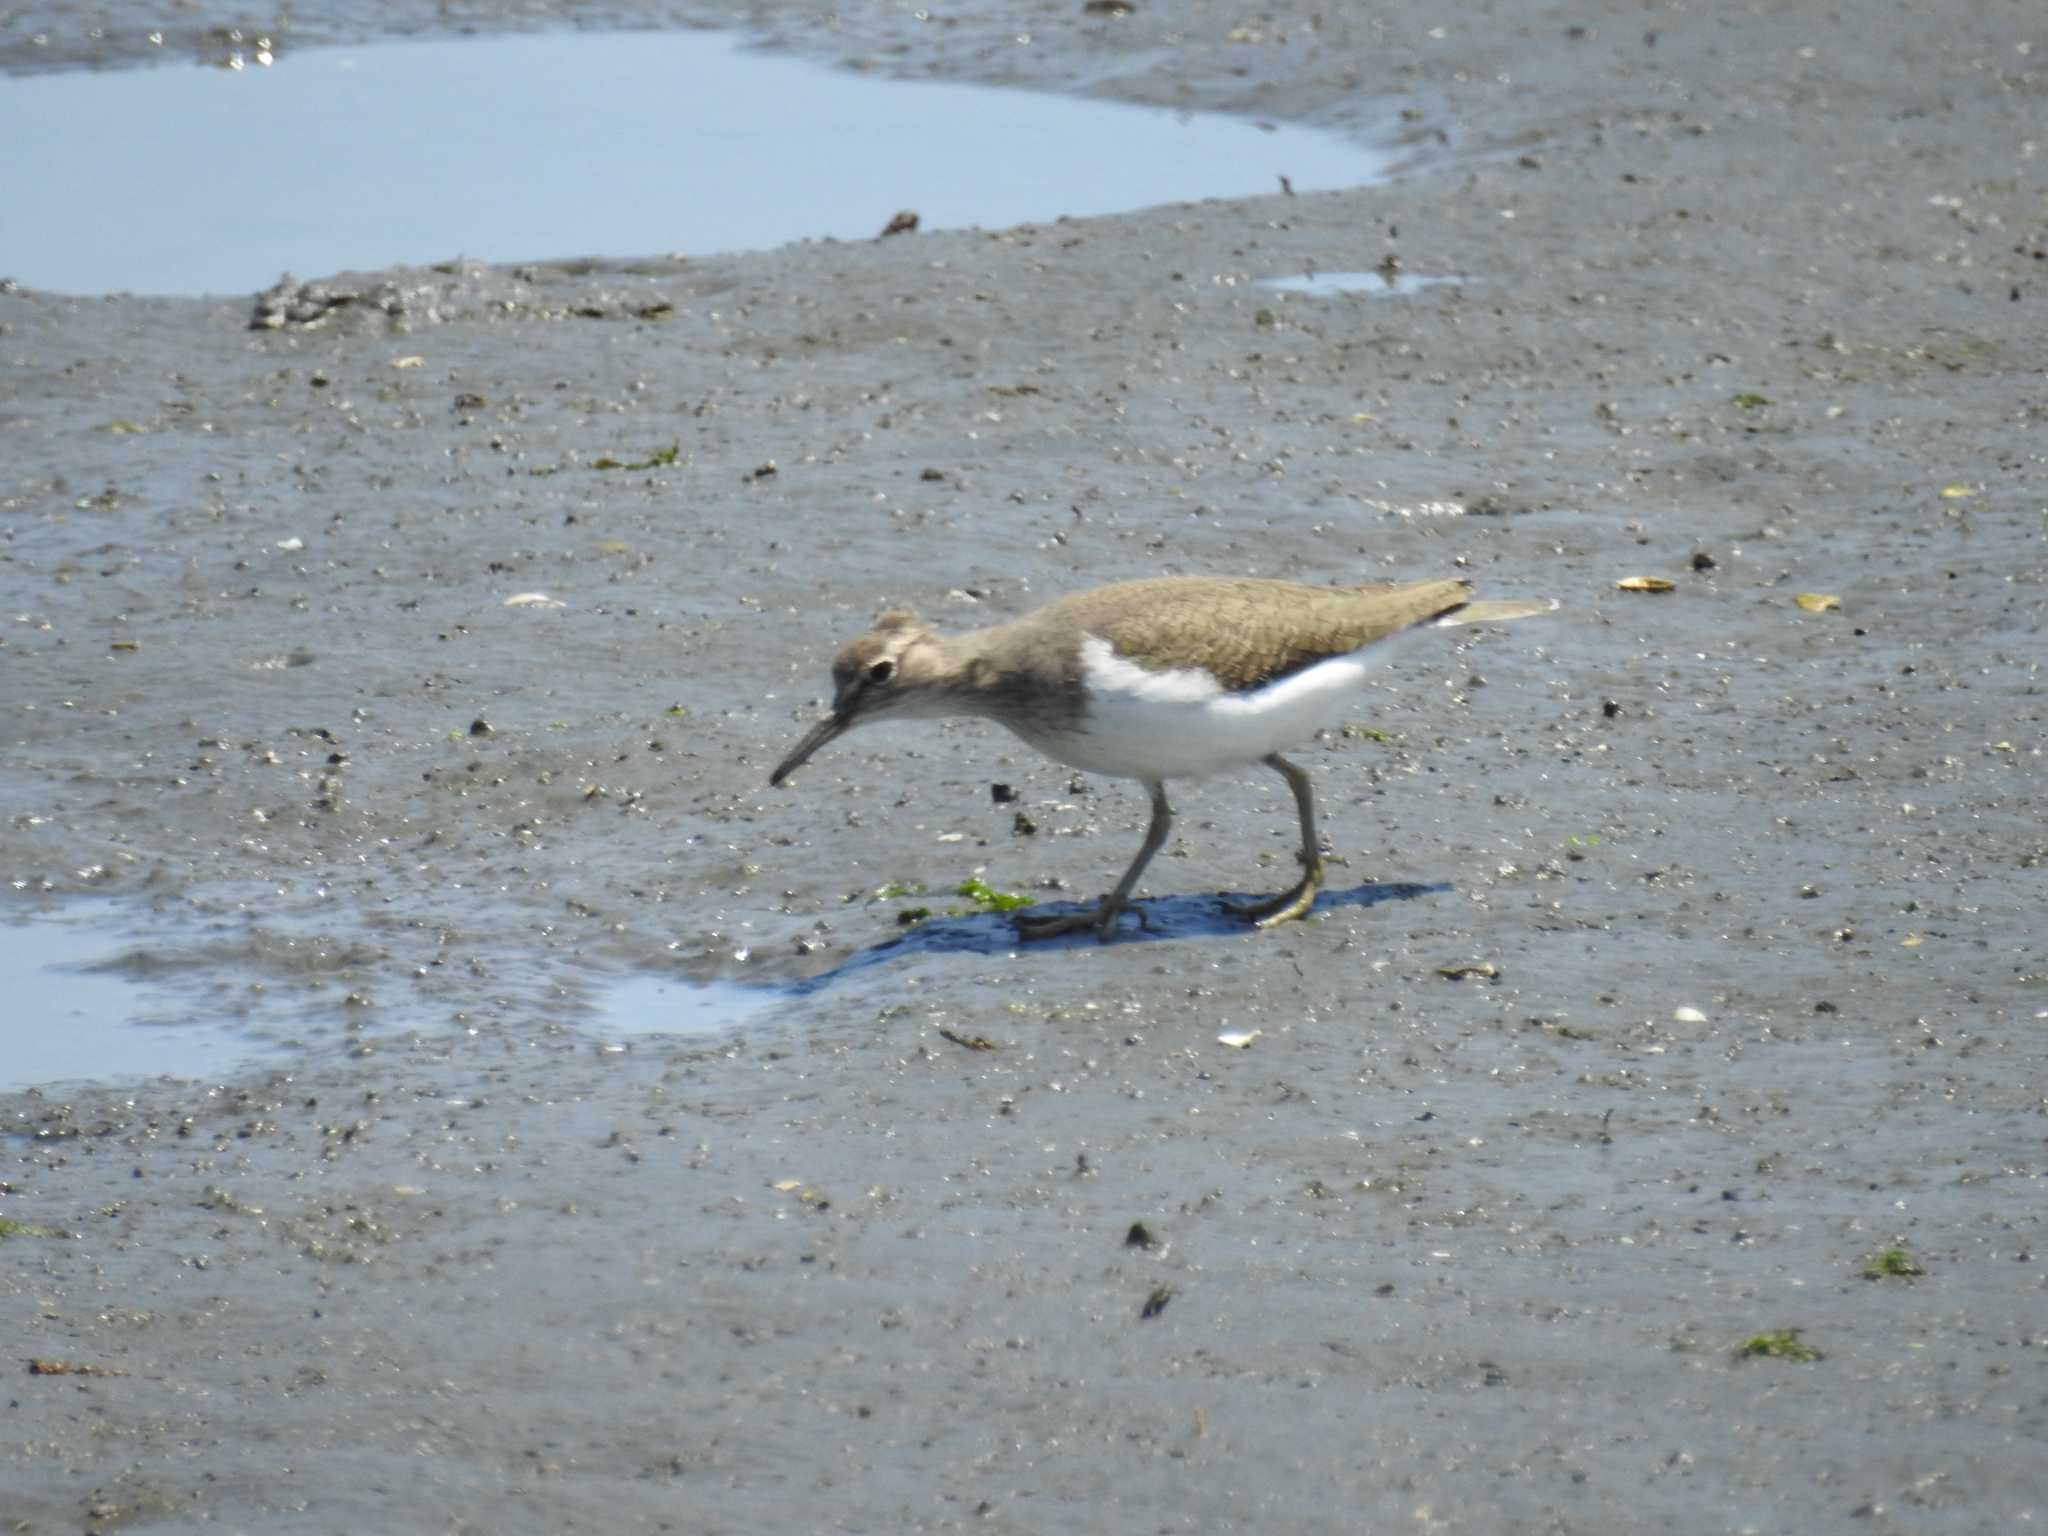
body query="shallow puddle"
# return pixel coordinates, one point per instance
(646, 1003)
(100, 990)
(1331, 285)
(189, 179)
(75, 1011)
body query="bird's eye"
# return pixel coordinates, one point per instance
(881, 671)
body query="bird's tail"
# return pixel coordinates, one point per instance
(1497, 611)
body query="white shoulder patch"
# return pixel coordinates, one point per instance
(1106, 672)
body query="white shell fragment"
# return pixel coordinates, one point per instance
(1688, 1016)
(533, 600)
(1238, 1039)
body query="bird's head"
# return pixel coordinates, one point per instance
(882, 673)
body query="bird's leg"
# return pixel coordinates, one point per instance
(1291, 903)
(1103, 918)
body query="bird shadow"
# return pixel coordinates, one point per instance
(1154, 921)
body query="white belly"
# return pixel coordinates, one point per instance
(1183, 725)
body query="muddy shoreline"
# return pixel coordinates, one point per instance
(1753, 305)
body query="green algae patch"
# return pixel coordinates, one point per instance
(988, 899)
(1894, 1263)
(1779, 1344)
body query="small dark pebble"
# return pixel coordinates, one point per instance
(1155, 1303)
(1140, 1236)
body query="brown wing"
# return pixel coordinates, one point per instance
(1247, 632)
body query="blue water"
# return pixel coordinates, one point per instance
(649, 1003)
(98, 990)
(73, 1012)
(1332, 285)
(193, 179)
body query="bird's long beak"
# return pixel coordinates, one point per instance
(815, 738)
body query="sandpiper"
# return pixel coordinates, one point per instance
(1176, 677)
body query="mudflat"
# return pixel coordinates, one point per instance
(1646, 1130)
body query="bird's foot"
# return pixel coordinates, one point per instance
(1285, 907)
(1049, 925)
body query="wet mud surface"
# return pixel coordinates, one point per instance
(1752, 305)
